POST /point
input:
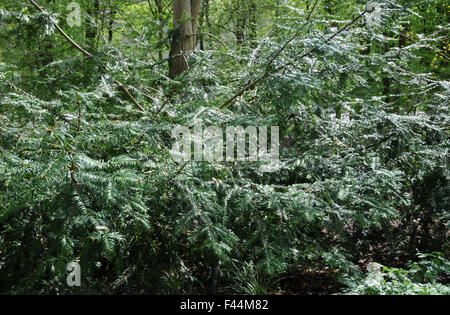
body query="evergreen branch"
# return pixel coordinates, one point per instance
(130, 96)
(70, 40)
(267, 74)
(87, 54)
(434, 50)
(171, 93)
(41, 103)
(179, 171)
(292, 38)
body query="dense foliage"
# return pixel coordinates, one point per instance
(86, 174)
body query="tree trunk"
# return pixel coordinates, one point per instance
(240, 22)
(253, 16)
(91, 28)
(204, 18)
(111, 25)
(184, 35)
(195, 10)
(161, 33)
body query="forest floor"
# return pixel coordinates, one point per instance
(310, 282)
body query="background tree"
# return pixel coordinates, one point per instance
(184, 34)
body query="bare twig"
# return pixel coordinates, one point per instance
(179, 171)
(165, 103)
(130, 96)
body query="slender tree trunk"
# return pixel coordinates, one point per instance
(161, 34)
(91, 28)
(386, 78)
(241, 21)
(111, 25)
(253, 16)
(195, 10)
(204, 18)
(184, 35)
(46, 51)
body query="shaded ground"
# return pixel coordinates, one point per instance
(310, 282)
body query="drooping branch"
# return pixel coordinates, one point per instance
(70, 40)
(130, 96)
(87, 54)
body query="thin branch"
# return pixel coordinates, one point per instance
(179, 171)
(431, 48)
(252, 84)
(130, 96)
(87, 54)
(171, 93)
(293, 37)
(70, 40)
(62, 117)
